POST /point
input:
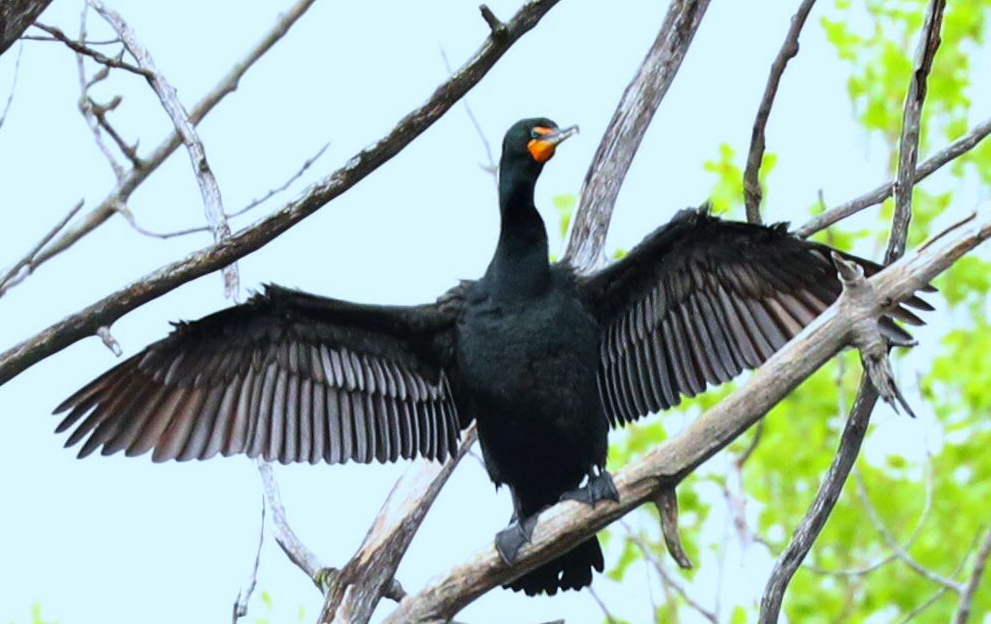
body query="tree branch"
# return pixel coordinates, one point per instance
(871, 198)
(81, 48)
(112, 307)
(566, 524)
(626, 129)
(23, 267)
(751, 175)
(116, 200)
(213, 206)
(970, 590)
(15, 17)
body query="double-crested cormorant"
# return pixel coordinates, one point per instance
(543, 359)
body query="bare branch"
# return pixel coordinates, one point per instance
(897, 548)
(13, 86)
(99, 57)
(948, 154)
(626, 129)
(370, 574)
(15, 17)
(970, 590)
(275, 191)
(751, 175)
(105, 311)
(667, 576)
(213, 206)
(135, 177)
(566, 524)
(911, 122)
(240, 608)
(490, 167)
(667, 508)
(23, 267)
(297, 552)
(822, 506)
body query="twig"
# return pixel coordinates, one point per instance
(240, 608)
(490, 168)
(26, 265)
(970, 589)
(13, 86)
(942, 590)
(88, 42)
(106, 310)
(626, 129)
(892, 541)
(668, 578)
(948, 154)
(99, 57)
(297, 552)
(829, 492)
(212, 205)
(908, 152)
(751, 175)
(610, 618)
(100, 112)
(567, 524)
(135, 177)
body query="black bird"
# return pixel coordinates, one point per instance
(543, 359)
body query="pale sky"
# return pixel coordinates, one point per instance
(114, 540)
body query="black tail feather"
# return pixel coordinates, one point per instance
(572, 570)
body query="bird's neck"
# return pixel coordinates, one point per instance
(520, 266)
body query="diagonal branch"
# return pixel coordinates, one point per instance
(107, 310)
(970, 590)
(116, 200)
(751, 175)
(82, 49)
(213, 206)
(877, 195)
(566, 524)
(626, 129)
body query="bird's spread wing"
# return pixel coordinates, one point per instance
(286, 376)
(701, 299)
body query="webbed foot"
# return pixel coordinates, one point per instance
(598, 488)
(509, 540)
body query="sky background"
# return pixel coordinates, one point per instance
(115, 539)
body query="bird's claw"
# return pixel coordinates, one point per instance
(509, 540)
(599, 487)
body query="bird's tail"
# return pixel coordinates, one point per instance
(572, 570)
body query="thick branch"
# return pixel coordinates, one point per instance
(213, 206)
(751, 175)
(623, 135)
(15, 17)
(566, 524)
(112, 307)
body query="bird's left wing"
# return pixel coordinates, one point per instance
(701, 299)
(287, 376)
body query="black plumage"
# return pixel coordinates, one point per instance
(543, 359)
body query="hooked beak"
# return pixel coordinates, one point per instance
(542, 149)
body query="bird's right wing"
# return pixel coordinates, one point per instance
(702, 299)
(287, 376)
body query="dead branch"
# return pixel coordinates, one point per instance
(15, 17)
(96, 55)
(626, 129)
(240, 608)
(13, 86)
(118, 197)
(970, 590)
(751, 175)
(213, 206)
(911, 122)
(23, 267)
(566, 524)
(110, 308)
(873, 197)
(822, 507)
(367, 576)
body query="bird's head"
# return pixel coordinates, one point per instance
(531, 142)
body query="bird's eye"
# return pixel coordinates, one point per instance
(534, 134)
